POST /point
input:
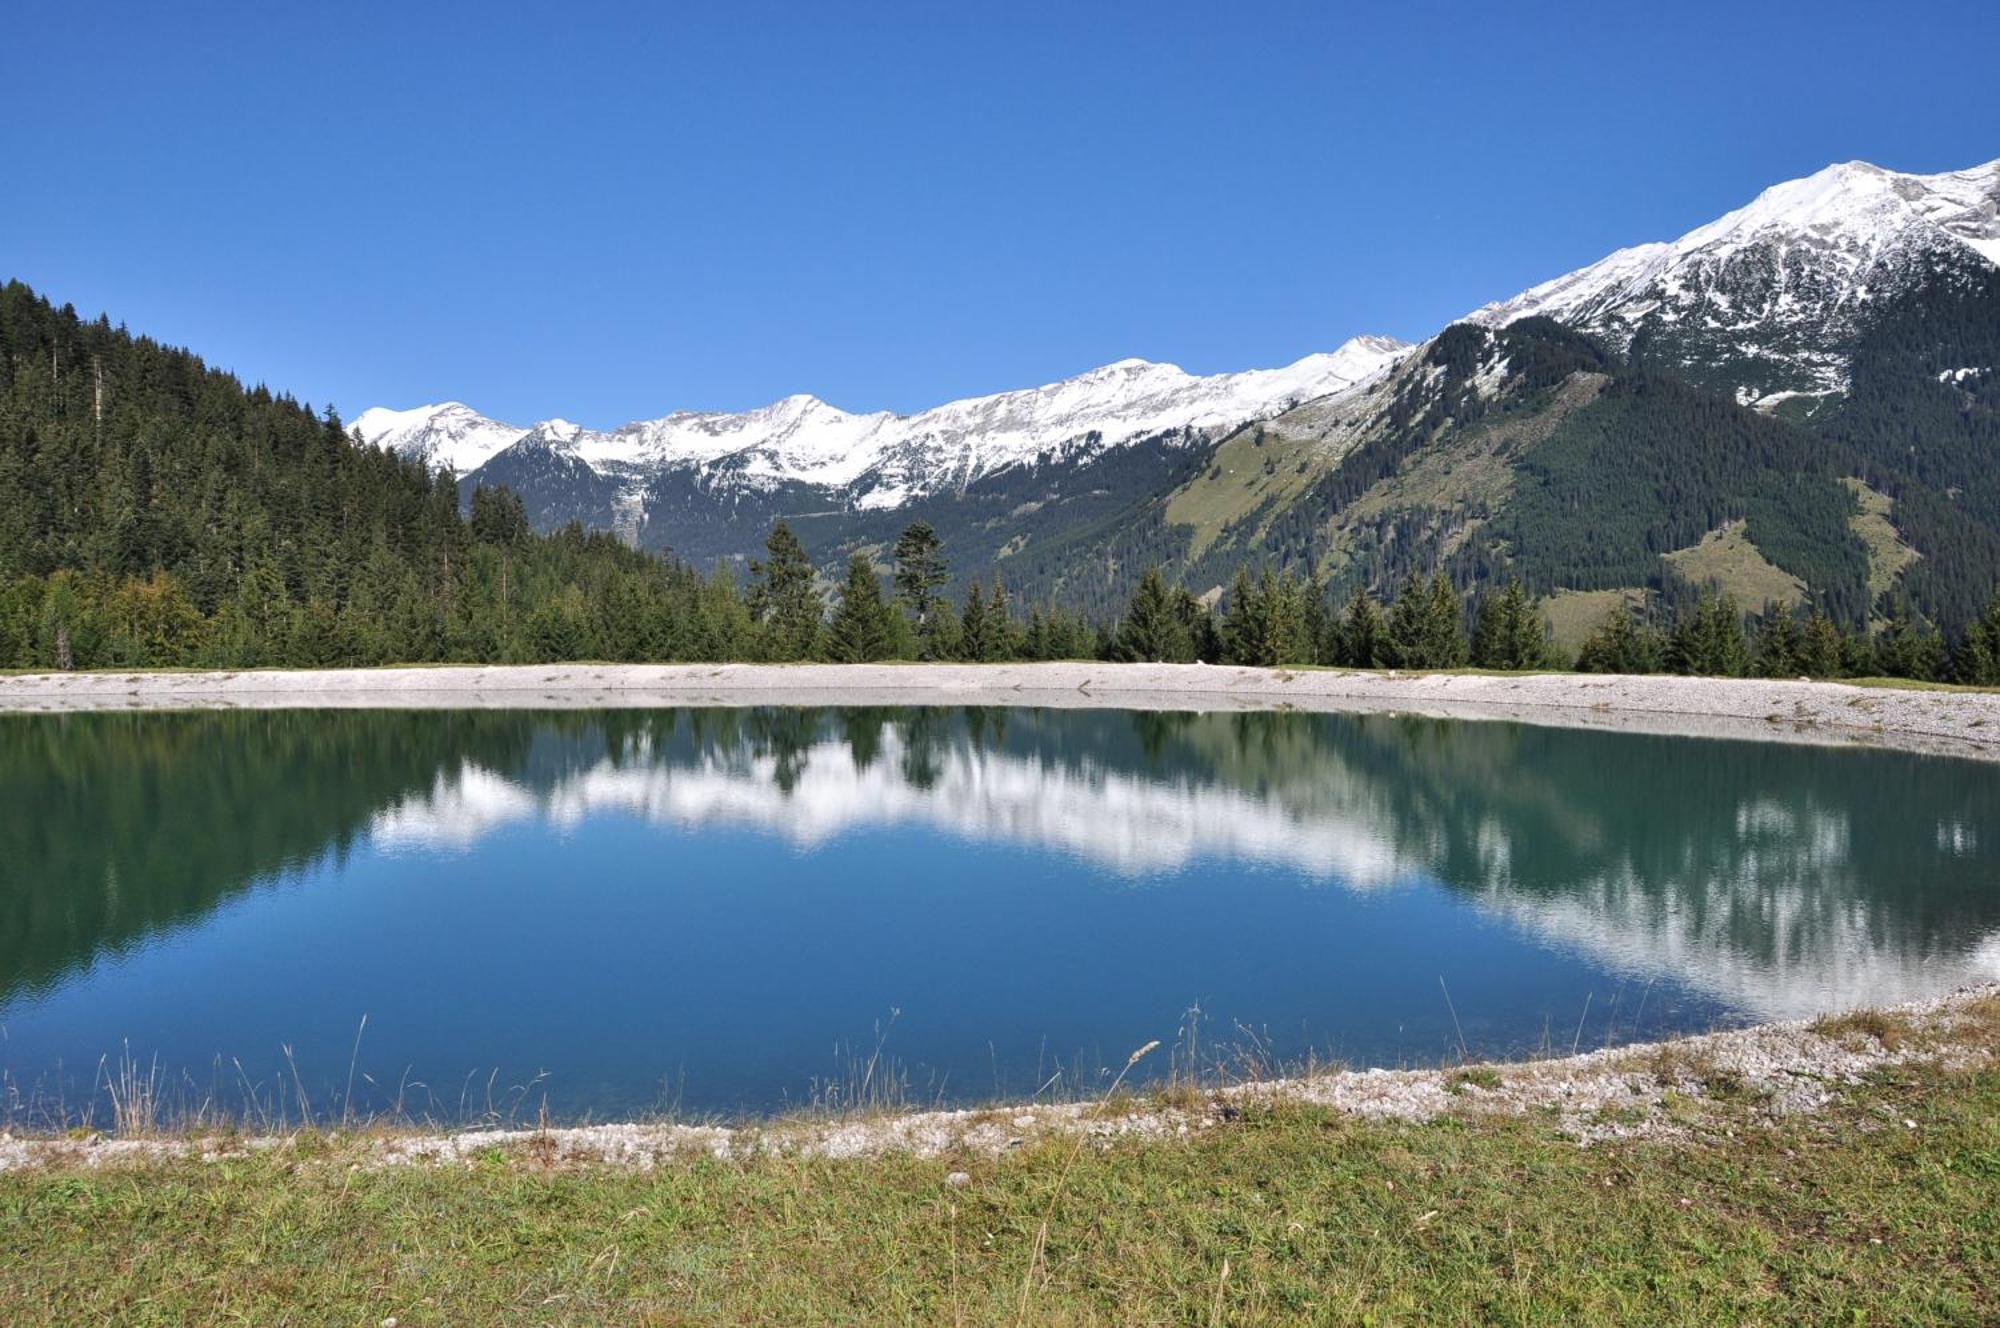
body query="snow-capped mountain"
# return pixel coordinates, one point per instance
(450, 434)
(880, 459)
(1764, 303)
(1767, 300)
(1858, 305)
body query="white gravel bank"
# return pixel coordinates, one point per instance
(1655, 1089)
(1945, 722)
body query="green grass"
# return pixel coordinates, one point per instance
(1574, 614)
(1727, 558)
(1888, 555)
(1847, 1216)
(1255, 468)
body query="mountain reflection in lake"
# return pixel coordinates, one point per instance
(714, 908)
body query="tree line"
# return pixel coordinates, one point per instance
(1276, 618)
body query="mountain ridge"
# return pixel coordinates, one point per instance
(886, 458)
(1857, 306)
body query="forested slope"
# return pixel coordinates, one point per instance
(156, 511)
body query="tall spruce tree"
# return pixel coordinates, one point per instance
(1153, 629)
(975, 626)
(1239, 644)
(1822, 649)
(920, 575)
(1364, 634)
(1977, 659)
(860, 630)
(1003, 634)
(785, 597)
(1780, 644)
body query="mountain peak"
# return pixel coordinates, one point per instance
(1766, 300)
(1869, 206)
(1855, 210)
(447, 434)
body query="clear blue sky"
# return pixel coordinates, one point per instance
(607, 213)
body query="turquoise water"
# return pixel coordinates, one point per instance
(731, 910)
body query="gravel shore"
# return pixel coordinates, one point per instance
(1661, 1089)
(1954, 723)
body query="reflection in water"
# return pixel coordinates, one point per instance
(1773, 880)
(1729, 865)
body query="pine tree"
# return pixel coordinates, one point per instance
(1153, 630)
(1204, 639)
(1003, 634)
(1509, 633)
(1709, 640)
(1282, 625)
(1620, 644)
(268, 609)
(920, 574)
(1977, 659)
(1821, 648)
(1322, 636)
(1035, 644)
(1364, 634)
(1058, 633)
(1908, 646)
(498, 517)
(1239, 629)
(725, 627)
(1425, 626)
(1857, 655)
(558, 630)
(1490, 633)
(975, 629)
(1529, 644)
(1780, 644)
(1265, 622)
(785, 598)
(860, 630)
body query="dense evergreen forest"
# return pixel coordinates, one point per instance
(155, 512)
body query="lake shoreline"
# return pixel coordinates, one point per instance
(1952, 723)
(1653, 1090)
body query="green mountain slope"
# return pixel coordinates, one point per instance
(155, 511)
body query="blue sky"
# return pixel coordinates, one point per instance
(609, 212)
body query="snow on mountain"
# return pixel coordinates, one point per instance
(1779, 285)
(450, 434)
(885, 459)
(1327, 827)
(1766, 298)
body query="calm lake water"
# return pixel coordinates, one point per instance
(728, 910)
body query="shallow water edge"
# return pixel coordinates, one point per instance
(1646, 1090)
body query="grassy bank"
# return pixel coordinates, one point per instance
(1883, 1207)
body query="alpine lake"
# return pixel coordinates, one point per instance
(462, 915)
